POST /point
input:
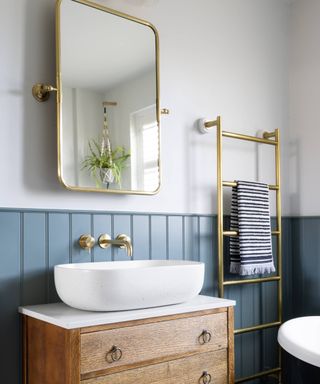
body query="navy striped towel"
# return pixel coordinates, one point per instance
(251, 251)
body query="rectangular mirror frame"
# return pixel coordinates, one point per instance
(59, 97)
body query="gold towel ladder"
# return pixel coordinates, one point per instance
(271, 138)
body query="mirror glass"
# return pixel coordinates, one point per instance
(108, 118)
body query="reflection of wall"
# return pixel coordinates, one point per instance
(131, 96)
(82, 119)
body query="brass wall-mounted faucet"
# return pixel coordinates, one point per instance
(122, 241)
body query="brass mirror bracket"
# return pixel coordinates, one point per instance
(164, 111)
(268, 135)
(41, 92)
(86, 242)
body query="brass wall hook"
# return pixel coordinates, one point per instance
(41, 91)
(164, 111)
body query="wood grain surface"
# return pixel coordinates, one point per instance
(52, 354)
(181, 371)
(164, 350)
(130, 323)
(231, 345)
(150, 343)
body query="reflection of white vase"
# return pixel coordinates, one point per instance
(106, 175)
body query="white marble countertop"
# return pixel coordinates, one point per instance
(66, 317)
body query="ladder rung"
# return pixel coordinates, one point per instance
(248, 138)
(230, 233)
(257, 375)
(236, 233)
(252, 281)
(257, 327)
(234, 184)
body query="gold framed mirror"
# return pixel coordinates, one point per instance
(108, 112)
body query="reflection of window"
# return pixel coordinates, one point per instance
(144, 149)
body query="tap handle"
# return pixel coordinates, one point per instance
(104, 241)
(86, 242)
(123, 238)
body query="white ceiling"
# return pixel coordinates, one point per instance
(100, 50)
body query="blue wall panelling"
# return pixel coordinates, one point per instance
(34, 241)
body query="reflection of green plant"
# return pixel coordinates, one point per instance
(97, 160)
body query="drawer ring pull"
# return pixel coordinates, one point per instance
(205, 378)
(205, 337)
(114, 354)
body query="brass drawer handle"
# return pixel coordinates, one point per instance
(205, 337)
(114, 354)
(205, 378)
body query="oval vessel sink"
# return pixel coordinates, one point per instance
(301, 338)
(124, 285)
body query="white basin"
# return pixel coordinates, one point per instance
(301, 338)
(123, 285)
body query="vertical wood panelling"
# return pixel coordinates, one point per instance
(58, 247)
(298, 270)
(80, 224)
(248, 358)
(269, 306)
(158, 237)
(206, 254)
(288, 287)
(191, 238)
(101, 225)
(270, 347)
(175, 237)
(305, 281)
(234, 293)
(121, 224)
(287, 282)
(238, 355)
(10, 275)
(33, 242)
(35, 261)
(141, 237)
(257, 304)
(247, 318)
(307, 269)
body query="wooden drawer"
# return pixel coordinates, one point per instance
(187, 370)
(150, 343)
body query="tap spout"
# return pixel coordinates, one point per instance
(122, 241)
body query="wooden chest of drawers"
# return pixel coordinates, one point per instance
(185, 348)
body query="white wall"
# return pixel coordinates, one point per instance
(217, 57)
(304, 108)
